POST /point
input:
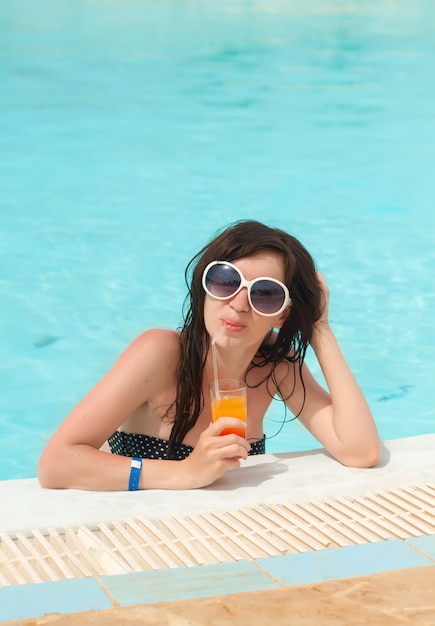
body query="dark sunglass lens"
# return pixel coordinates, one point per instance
(222, 281)
(267, 296)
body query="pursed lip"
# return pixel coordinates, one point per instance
(233, 325)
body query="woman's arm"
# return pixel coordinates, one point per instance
(72, 457)
(81, 466)
(341, 420)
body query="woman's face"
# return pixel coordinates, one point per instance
(235, 315)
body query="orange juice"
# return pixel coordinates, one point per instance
(230, 403)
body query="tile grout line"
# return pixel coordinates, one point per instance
(106, 591)
(420, 550)
(269, 574)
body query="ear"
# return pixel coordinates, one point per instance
(283, 316)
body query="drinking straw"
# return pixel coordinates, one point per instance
(214, 359)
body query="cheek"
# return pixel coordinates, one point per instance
(211, 310)
(263, 325)
(208, 307)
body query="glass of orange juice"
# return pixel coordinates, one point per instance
(228, 399)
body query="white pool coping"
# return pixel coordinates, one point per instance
(271, 478)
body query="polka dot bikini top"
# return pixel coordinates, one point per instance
(145, 447)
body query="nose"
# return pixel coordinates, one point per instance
(240, 302)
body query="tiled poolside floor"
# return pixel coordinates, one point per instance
(393, 599)
(383, 583)
(380, 582)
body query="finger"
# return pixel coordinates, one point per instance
(232, 463)
(234, 450)
(224, 442)
(226, 422)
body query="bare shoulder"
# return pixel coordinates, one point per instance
(285, 364)
(159, 337)
(282, 370)
(156, 345)
(286, 372)
(146, 366)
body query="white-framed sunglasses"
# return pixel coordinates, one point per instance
(267, 296)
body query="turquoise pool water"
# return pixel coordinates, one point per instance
(131, 131)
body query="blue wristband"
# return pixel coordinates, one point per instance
(136, 466)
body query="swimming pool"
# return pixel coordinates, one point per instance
(131, 133)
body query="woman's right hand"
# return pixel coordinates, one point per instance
(214, 454)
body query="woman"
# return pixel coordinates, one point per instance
(153, 405)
